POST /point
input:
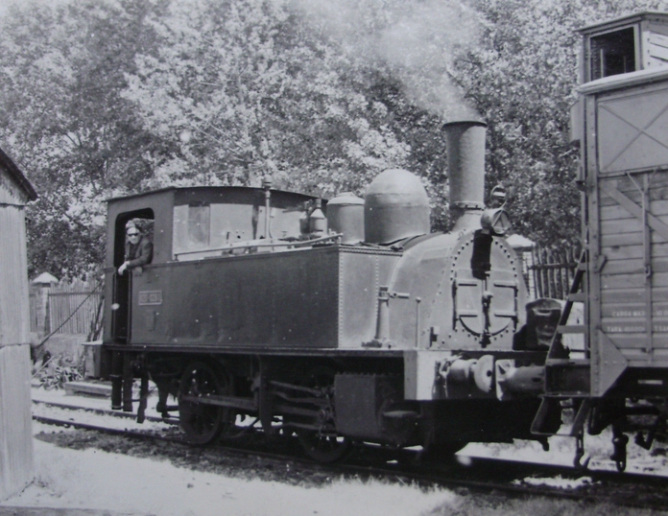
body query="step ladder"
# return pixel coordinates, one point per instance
(567, 379)
(576, 294)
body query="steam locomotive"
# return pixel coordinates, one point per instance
(347, 320)
(339, 321)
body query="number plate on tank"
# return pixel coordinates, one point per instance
(150, 297)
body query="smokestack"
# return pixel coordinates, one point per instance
(466, 168)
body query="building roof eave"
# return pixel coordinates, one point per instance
(18, 176)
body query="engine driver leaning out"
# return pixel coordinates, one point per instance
(138, 249)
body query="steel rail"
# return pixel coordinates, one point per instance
(481, 475)
(106, 412)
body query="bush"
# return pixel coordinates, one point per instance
(55, 373)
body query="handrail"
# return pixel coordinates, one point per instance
(263, 243)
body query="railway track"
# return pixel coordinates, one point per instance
(463, 473)
(104, 412)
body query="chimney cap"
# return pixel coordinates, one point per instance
(461, 122)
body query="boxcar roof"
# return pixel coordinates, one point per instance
(18, 176)
(623, 20)
(624, 80)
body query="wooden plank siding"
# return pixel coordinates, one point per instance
(628, 224)
(16, 450)
(624, 276)
(657, 44)
(14, 307)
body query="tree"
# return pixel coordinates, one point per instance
(106, 97)
(243, 89)
(522, 79)
(62, 70)
(310, 95)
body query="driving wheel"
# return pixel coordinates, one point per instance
(202, 422)
(324, 444)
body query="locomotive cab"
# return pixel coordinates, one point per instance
(189, 224)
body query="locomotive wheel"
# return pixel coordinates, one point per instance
(201, 423)
(323, 448)
(319, 446)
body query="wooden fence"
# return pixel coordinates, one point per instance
(549, 273)
(66, 308)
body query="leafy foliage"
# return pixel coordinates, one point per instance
(264, 96)
(107, 97)
(62, 71)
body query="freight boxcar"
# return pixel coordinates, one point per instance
(619, 377)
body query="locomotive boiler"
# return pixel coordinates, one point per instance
(342, 321)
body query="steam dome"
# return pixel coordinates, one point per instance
(396, 206)
(345, 214)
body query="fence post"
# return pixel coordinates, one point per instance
(42, 285)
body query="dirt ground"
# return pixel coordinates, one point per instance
(79, 473)
(78, 470)
(95, 479)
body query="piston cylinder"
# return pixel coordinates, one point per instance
(466, 171)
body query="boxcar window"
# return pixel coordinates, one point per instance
(613, 53)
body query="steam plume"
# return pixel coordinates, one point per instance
(417, 39)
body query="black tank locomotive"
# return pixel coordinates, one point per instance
(358, 326)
